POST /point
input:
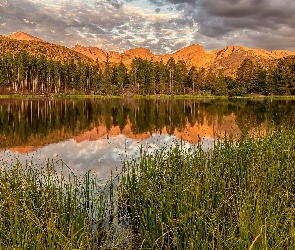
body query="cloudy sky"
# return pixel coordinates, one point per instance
(159, 25)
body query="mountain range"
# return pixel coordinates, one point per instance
(227, 59)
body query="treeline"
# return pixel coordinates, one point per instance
(23, 73)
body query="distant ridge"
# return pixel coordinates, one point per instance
(24, 37)
(227, 59)
(97, 53)
(21, 41)
(193, 55)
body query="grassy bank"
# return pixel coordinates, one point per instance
(81, 96)
(239, 195)
(136, 96)
(41, 208)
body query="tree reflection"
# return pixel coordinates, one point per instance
(42, 121)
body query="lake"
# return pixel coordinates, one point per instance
(98, 134)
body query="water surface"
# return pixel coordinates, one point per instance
(98, 133)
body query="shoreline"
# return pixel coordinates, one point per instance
(82, 96)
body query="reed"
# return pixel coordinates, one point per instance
(42, 208)
(239, 195)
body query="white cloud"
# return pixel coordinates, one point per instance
(121, 25)
(101, 156)
(98, 23)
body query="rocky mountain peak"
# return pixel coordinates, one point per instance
(23, 36)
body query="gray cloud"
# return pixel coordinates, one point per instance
(229, 19)
(191, 2)
(115, 3)
(248, 13)
(157, 3)
(180, 4)
(232, 20)
(112, 24)
(101, 156)
(64, 25)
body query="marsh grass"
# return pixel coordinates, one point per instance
(239, 195)
(41, 208)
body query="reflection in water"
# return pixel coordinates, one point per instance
(96, 133)
(101, 156)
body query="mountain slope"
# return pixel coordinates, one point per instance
(24, 37)
(231, 57)
(227, 59)
(37, 47)
(97, 54)
(193, 55)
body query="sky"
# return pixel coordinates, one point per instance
(163, 26)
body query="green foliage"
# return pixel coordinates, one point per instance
(23, 72)
(237, 91)
(29, 74)
(161, 78)
(42, 208)
(283, 76)
(251, 76)
(142, 76)
(239, 195)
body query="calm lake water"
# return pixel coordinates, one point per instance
(97, 134)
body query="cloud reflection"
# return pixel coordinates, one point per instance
(101, 156)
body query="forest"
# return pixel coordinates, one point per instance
(24, 73)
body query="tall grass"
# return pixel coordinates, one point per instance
(41, 208)
(239, 195)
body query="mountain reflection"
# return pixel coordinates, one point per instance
(98, 133)
(26, 125)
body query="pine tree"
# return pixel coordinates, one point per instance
(251, 76)
(192, 79)
(171, 66)
(161, 78)
(122, 77)
(107, 77)
(180, 77)
(284, 76)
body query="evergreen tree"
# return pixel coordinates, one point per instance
(171, 66)
(161, 78)
(284, 76)
(107, 77)
(122, 77)
(180, 77)
(192, 79)
(251, 76)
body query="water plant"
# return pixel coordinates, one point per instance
(43, 208)
(239, 195)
